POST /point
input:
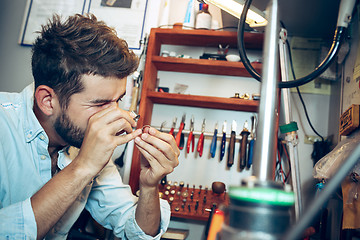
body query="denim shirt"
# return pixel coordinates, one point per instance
(25, 166)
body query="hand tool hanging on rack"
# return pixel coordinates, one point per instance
(243, 146)
(138, 75)
(173, 126)
(180, 136)
(214, 141)
(200, 145)
(191, 138)
(231, 153)
(251, 143)
(223, 141)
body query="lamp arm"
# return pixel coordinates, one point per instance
(345, 12)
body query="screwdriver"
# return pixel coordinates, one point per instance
(213, 142)
(230, 160)
(223, 141)
(243, 146)
(251, 143)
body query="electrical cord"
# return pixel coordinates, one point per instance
(297, 88)
(296, 82)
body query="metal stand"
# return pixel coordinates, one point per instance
(291, 136)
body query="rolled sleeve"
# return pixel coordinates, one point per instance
(133, 231)
(18, 221)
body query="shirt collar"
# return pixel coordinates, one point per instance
(32, 127)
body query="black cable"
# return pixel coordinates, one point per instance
(296, 82)
(297, 88)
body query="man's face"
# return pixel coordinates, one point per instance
(99, 93)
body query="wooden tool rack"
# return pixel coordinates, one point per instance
(149, 95)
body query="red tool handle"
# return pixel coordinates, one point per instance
(190, 139)
(200, 145)
(171, 131)
(178, 135)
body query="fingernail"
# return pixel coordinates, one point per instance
(137, 139)
(144, 136)
(138, 131)
(152, 131)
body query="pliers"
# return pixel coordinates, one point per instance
(173, 126)
(223, 141)
(179, 139)
(200, 145)
(214, 141)
(191, 138)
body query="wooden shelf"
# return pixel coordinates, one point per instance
(203, 66)
(234, 104)
(208, 38)
(155, 63)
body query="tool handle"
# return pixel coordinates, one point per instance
(230, 160)
(171, 131)
(223, 141)
(200, 144)
(178, 135)
(213, 144)
(243, 148)
(250, 153)
(190, 139)
(134, 99)
(182, 141)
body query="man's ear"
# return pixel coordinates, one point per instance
(46, 99)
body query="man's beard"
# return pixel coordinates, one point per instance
(67, 130)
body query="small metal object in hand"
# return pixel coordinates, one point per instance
(136, 118)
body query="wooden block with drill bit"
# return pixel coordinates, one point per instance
(191, 202)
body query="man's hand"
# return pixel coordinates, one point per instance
(104, 134)
(159, 156)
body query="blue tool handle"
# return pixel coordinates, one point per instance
(223, 141)
(213, 144)
(250, 153)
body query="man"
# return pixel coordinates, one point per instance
(80, 69)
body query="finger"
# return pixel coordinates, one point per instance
(114, 113)
(158, 149)
(127, 137)
(119, 126)
(168, 138)
(155, 164)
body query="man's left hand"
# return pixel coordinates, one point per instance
(159, 155)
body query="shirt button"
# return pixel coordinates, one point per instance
(42, 137)
(43, 157)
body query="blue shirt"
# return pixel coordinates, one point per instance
(25, 166)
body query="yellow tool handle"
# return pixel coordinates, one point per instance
(134, 100)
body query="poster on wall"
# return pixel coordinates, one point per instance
(37, 13)
(127, 17)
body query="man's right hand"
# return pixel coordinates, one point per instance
(104, 134)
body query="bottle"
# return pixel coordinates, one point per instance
(189, 20)
(203, 17)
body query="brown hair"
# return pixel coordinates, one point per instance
(65, 51)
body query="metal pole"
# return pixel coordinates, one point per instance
(264, 149)
(291, 139)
